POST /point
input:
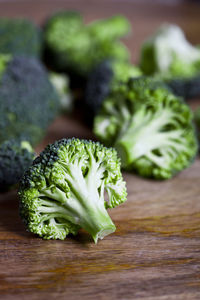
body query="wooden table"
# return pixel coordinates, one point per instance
(155, 251)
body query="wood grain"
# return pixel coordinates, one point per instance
(155, 252)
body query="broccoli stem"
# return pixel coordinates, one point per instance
(85, 207)
(144, 134)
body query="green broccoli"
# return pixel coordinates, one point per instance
(102, 79)
(15, 157)
(150, 127)
(64, 190)
(168, 55)
(4, 60)
(110, 29)
(61, 84)
(28, 101)
(72, 46)
(19, 37)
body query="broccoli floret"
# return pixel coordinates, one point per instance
(4, 60)
(19, 36)
(72, 46)
(150, 127)
(101, 80)
(28, 101)
(15, 158)
(112, 28)
(64, 189)
(61, 84)
(168, 55)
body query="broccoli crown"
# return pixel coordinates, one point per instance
(19, 36)
(123, 71)
(28, 101)
(112, 28)
(64, 189)
(150, 127)
(73, 46)
(101, 80)
(15, 157)
(168, 54)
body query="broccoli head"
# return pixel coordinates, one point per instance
(150, 127)
(15, 157)
(64, 190)
(19, 37)
(168, 55)
(72, 46)
(28, 101)
(101, 80)
(4, 60)
(110, 29)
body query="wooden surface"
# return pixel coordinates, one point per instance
(155, 251)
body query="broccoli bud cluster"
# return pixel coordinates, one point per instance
(72, 46)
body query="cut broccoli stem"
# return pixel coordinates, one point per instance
(143, 135)
(87, 212)
(85, 205)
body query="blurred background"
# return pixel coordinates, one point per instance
(145, 15)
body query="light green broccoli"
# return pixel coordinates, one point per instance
(72, 46)
(64, 190)
(150, 127)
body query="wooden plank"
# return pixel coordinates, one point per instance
(155, 251)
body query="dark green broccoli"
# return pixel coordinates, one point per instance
(64, 190)
(169, 56)
(15, 158)
(197, 122)
(101, 80)
(28, 101)
(72, 46)
(19, 37)
(150, 127)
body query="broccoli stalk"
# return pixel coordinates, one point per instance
(64, 190)
(143, 133)
(61, 84)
